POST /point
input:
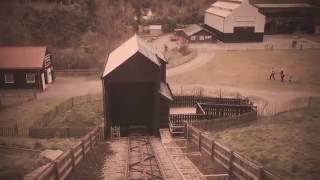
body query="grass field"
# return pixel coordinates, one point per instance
(250, 69)
(84, 115)
(287, 144)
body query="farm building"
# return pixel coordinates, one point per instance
(155, 30)
(196, 33)
(135, 89)
(25, 68)
(289, 18)
(235, 21)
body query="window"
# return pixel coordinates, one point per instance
(201, 38)
(30, 78)
(208, 37)
(9, 78)
(192, 38)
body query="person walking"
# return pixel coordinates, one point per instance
(272, 74)
(282, 75)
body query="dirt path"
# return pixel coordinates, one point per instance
(71, 86)
(200, 60)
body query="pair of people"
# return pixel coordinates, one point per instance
(273, 73)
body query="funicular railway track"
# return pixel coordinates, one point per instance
(147, 158)
(142, 162)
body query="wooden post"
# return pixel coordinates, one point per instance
(83, 148)
(261, 173)
(230, 164)
(90, 139)
(213, 145)
(309, 102)
(199, 147)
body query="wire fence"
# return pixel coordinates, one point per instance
(22, 128)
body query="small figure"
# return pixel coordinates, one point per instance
(272, 75)
(282, 75)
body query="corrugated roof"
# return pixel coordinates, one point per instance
(22, 57)
(192, 29)
(218, 12)
(129, 48)
(165, 91)
(287, 5)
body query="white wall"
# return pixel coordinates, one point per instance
(245, 15)
(214, 21)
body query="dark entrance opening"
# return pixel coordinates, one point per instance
(132, 106)
(244, 33)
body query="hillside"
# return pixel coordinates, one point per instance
(78, 32)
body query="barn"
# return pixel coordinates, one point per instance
(235, 21)
(289, 18)
(134, 89)
(196, 33)
(25, 68)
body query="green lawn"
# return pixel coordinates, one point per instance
(287, 144)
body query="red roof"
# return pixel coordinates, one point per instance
(22, 57)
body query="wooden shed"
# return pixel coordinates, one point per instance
(196, 33)
(134, 88)
(25, 68)
(235, 21)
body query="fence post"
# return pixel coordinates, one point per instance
(309, 102)
(261, 173)
(83, 148)
(213, 145)
(186, 134)
(199, 147)
(90, 138)
(231, 164)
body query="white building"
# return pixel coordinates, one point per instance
(235, 21)
(155, 30)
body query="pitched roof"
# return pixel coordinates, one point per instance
(224, 8)
(192, 29)
(129, 48)
(22, 57)
(165, 91)
(286, 5)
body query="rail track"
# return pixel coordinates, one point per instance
(147, 159)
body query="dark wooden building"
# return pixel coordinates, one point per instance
(134, 88)
(25, 68)
(289, 18)
(196, 33)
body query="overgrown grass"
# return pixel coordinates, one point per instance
(84, 115)
(287, 144)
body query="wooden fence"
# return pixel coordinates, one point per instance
(9, 131)
(221, 115)
(215, 124)
(236, 164)
(190, 101)
(65, 163)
